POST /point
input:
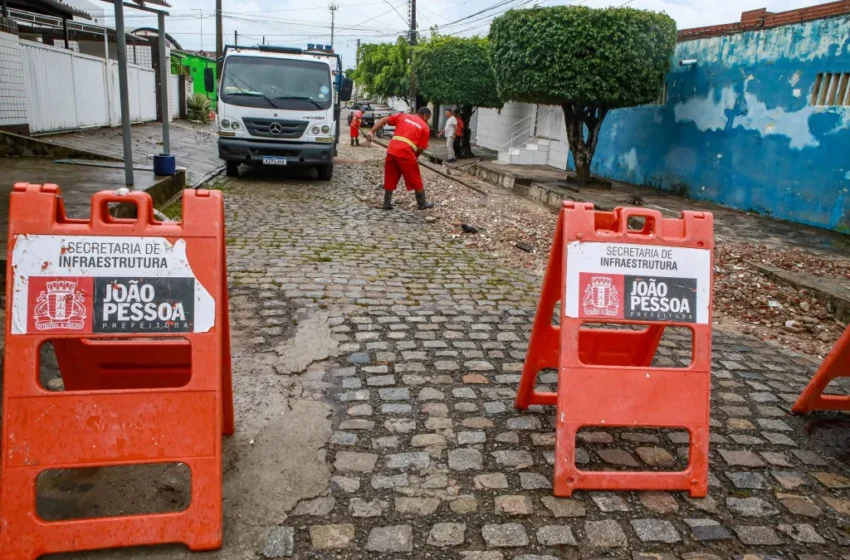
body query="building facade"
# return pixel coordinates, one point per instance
(756, 117)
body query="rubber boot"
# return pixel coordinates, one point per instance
(420, 200)
(352, 141)
(357, 141)
(388, 200)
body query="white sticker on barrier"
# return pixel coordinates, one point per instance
(99, 284)
(637, 282)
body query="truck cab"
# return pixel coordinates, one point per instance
(280, 106)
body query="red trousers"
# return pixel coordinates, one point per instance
(354, 131)
(401, 165)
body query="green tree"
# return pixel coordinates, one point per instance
(586, 60)
(451, 70)
(384, 69)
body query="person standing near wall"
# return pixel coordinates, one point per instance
(458, 144)
(450, 131)
(407, 144)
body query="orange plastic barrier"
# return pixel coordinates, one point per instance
(836, 364)
(137, 313)
(603, 272)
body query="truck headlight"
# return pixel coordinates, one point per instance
(234, 125)
(225, 123)
(315, 130)
(326, 129)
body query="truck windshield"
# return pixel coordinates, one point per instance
(254, 81)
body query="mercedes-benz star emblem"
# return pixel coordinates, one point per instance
(275, 128)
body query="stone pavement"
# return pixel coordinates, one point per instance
(428, 456)
(414, 346)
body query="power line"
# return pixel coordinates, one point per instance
(395, 10)
(485, 20)
(376, 17)
(492, 7)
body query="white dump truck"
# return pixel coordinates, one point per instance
(280, 106)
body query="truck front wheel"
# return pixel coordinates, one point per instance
(326, 172)
(232, 168)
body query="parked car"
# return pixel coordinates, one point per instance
(371, 111)
(386, 132)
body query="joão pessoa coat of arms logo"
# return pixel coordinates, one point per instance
(601, 298)
(60, 306)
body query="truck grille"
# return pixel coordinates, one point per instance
(263, 128)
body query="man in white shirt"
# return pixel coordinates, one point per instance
(450, 130)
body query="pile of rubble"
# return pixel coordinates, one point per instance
(520, 233)
(771, 310)
(746, 300)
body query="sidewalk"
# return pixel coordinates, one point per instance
(194, 146)
(547, 185)
(437, 153)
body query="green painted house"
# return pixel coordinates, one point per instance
(194, 64)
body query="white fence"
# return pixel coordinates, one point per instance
(67, 90)
(174, 96)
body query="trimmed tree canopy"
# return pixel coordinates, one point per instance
(383, 70)
(457, 71)
(451, 70)
(586, 60)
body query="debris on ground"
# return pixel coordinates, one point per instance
(772, 310)
(745, 299)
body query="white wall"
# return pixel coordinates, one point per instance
(550, 124)
(173, 96)
(66, 90)
(141, 87)
(494, 128)
(13, 100)
(398, 104)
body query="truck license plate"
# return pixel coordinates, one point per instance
(274, 160)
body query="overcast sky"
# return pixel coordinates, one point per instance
(298, 22)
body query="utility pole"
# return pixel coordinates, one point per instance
(333, 7)
(219, 38)
(412, 41)
(357, 54)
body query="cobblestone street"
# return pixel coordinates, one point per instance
(427, 456)
(375, 364)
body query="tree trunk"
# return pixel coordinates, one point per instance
(576, 118)
(465, 142)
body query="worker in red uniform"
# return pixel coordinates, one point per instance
(354, 128)
(458, 145)
(408, 143)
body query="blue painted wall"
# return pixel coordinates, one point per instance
(738, 127)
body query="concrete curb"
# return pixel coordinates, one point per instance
(14, 145)
(826, 290)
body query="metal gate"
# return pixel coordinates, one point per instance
(68, 90)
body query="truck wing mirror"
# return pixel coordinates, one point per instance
(209, 80)
(346, 89)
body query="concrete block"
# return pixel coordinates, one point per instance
(540, 158)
